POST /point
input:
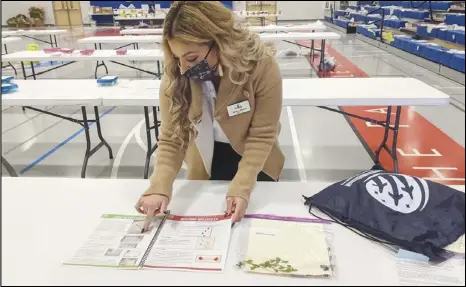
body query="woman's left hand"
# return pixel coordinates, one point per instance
(236, 206)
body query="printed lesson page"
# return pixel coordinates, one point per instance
(116, 242)
(191, 243)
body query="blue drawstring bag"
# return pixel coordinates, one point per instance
(396, 209)
(328, 64)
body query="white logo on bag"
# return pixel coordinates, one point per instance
(398, 192)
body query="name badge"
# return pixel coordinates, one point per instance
(238, 108)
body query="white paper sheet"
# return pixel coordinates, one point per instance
(191, 243)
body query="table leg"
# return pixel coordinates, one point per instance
(25, 77)
(156, 123)
(385, 135)
(88, 142)
(24, 70)
(13, 67)
(322, 55)
(89, 152)
(11, 171)
(392, 152)
(395, 138)
(105, 66)
(9, 64)
(158, 70)
(149, 142)
(51, 44)
(33, 71)
(100, 65)
(99, 132)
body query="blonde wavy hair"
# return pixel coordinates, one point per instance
(204, 22)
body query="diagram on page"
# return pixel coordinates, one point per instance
(116, 242)
(192, 243)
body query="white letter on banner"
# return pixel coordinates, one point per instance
(371, 125)
(436, 170)
(378, 111)
(417, 153)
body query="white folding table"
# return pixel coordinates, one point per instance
(312, 27)
(322, 93)
(31, 33)
(151, 19)
(281, 36)
(83, 93)
(66, 211)
(142, 31)
(98, 55)
(141, 18)
(249, 14)
(294, 36)
(126, 40)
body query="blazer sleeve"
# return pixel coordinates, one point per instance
(263, 130)
(170, 153)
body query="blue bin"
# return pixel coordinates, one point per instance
(440, 5)
(460, 37)
(406, 45)
(417, 48)
(452, 19)
(338, 13)
(433, 53)
(342, 23)
(451, 36)
(445, 59)
(406, 4)
(457, 62)
(442, 34)
(434, 32)
(422, 31)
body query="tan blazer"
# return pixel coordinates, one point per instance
(254, 134)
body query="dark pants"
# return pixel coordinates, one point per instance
(225, 163)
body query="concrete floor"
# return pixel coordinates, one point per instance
(318, 145)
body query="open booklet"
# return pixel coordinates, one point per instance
(192, 243)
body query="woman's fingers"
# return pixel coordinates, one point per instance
(151, 205)
(139, 207)
(240, 209)
(151, 212)
(229, 205)
(164, 206)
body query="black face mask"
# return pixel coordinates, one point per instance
(201, 71)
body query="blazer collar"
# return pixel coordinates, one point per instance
(226, 91)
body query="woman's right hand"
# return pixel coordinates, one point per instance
(151, 205)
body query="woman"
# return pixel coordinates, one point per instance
(220, 101)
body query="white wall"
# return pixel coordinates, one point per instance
(239, 5)
(13, 8)
(301, 10)
(85, 11)
(293, 10)
(10, 9)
